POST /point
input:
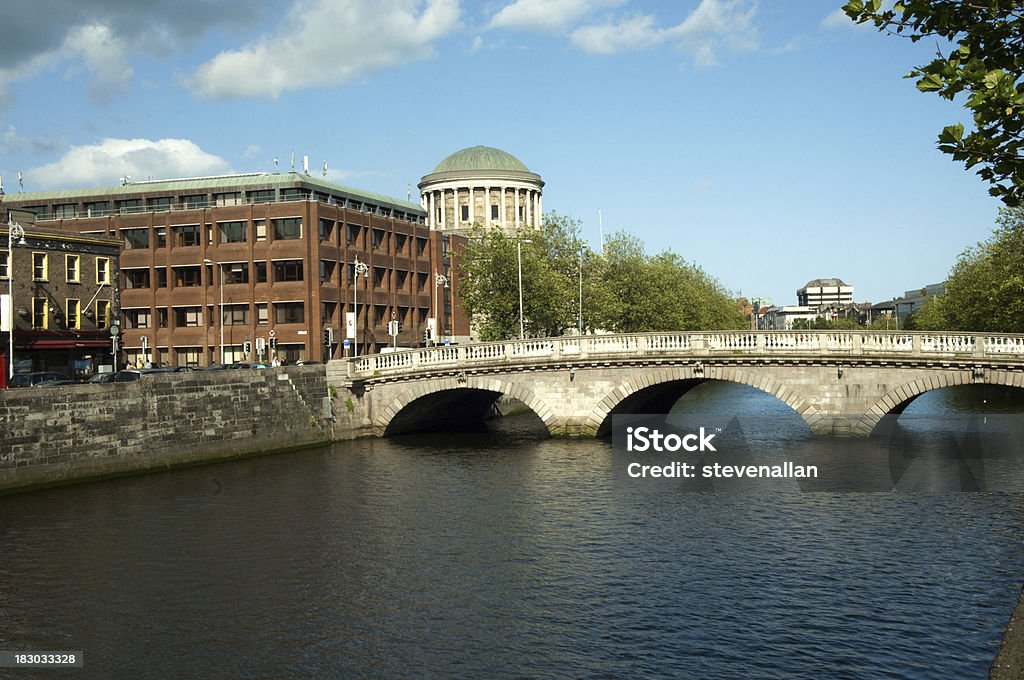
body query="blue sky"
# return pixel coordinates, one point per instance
(769, 142)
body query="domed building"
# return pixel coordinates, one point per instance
(481, 185)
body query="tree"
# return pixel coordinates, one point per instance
(985, 62)
(985, 289)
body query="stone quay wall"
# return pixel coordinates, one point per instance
(76, 432)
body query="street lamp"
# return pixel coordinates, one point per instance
(581, 291)
(14, 231)
(438, 280)
(519, 259)
(221, 267)
(357, 269)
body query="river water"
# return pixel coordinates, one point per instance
(508, 555)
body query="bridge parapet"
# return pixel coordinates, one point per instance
(811, 345)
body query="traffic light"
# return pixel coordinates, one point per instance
(273, 343)
(247, 348)
(328, 336)
(426, 335)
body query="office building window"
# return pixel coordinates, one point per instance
(288, 229)
(287, 270)
(233, 232)
(137, 318)
(289, 312)
(135, 239)
(72, 268)
(186, 235)
(188, 316)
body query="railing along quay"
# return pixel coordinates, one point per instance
(830, 344)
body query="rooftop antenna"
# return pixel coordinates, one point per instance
(21, 182)
(324, 171)
(293, 160)
(125, 180)
(275, 165)
(305, 165)
(408, 192)
(1, 185)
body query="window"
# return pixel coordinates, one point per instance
(327, 270)
(65, 211)
(236, 272)
(161, 317)
(378, 236)
(289, 312)
(494, 211)
(40, 313)
(136, 278)
(326, 229)
(228, 198)
(161, 237)
(380, 275)
(261, 229)
(102, 314)
(288, 270)
(102, 270)
(327, 310)
(74, 316)
(161, 203)
(137, 318)
(97, 208)
(352, 233)
(161, 277)
(236, 315)
(232, 232)
(186, 235)
(294, 194)
(72, 268)
(288, 229)
(421, 245)
(188, 356)
(262, 317)
(262, 196)
(188, 316)
(400, 241)
(187, 276)
(261, 271)
(135, 238)
(465, 212)
(39, 266)
(194, 202)
(4, 273)
(133, 205)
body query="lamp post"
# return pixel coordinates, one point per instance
(14, 230)
(438, 280)
(581, 291)
(220, 266)
(519, 260)
(357, 269)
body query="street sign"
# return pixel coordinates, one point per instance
(346, 344)
(272, 333)
(393, 328)
(350, 325)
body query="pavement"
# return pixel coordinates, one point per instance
(1009, 662)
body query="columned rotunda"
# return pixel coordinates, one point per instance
(485, 186)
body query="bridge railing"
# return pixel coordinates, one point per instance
(807, 344)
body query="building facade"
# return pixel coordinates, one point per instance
(824, 292)
(289, 261)
(59, 297)
(481, 186)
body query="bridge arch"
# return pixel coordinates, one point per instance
(383, 421)
(598, 423)
(897, 399)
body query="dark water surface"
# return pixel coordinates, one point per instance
(508, 556)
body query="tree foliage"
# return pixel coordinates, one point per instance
(985, 289)
(624, 289)
(985, 64)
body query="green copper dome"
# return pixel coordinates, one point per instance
(480, 158)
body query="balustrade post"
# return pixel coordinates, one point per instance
(979, 345)
(915, 344)
(416, 359)
(641, 344)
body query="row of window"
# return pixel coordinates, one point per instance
(70, 318)
(234, 315)
(191, 235)
(495, 213)
(72, 268)
(185, 276)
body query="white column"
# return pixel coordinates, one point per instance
(431, 212)
(471, 206)
(503, 190)
(536, 210)
(487, 206)
(516, 207)
(540, 207)
(443, 226)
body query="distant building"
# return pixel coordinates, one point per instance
(482, 186)
(782, 318)
(824, 292)
(60, 295)
(913, 300)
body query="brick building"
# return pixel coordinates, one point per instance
(276, 252)
(59, 294)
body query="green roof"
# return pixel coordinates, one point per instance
(241, 182)
(481, 158)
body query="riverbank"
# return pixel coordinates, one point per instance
(1009, 663)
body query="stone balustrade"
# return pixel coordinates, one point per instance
(823, 345)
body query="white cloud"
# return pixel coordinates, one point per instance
(104, 55)
(105, 163)
(546, 15)
(837, 21)
(328, 42)
(712, 25)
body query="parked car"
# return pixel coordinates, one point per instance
(102, 378)
(136, 374)
(33, 379)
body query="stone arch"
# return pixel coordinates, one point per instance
(897, 399)
(514, 390)
(658, 375)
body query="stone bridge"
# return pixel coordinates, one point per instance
(840, 382)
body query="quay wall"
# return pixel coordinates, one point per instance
(61, 434)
